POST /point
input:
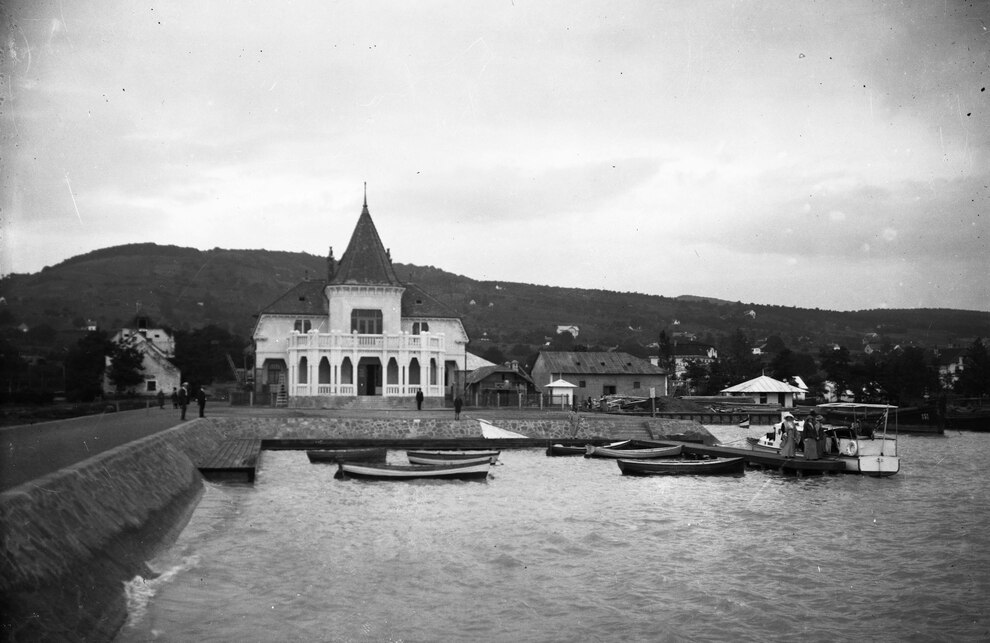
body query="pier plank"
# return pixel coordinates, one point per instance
(235, 459)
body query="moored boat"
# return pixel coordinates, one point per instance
(450, 457)
(374, 471)
(592, 451)
(334, 456)
(865, 446)
(707, 467)
(440, 456)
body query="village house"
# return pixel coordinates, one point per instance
(157, 347)
(498, 385)
(359, 335)
(692, 352)
(595, 374)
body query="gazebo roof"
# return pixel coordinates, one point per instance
(763, 384)
(561, 384)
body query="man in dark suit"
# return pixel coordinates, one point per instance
(184, 398)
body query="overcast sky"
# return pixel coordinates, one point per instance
(813, 154)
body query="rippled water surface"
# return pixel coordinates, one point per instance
(567, 549)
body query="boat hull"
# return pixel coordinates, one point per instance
(426, 459)
(450, 457)
(335, 456)
(632, 454)
(456, 471)
(714, 466)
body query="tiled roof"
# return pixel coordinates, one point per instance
(479, 374)
(416, 302)
(598, 363)
(365, 261)
(305, 298)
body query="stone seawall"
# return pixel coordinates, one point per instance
(72, 538)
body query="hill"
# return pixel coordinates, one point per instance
(186, 288)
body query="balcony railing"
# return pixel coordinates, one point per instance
(351, 341)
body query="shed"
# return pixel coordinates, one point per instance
(765, 390)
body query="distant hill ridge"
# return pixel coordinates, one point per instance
(187, 288)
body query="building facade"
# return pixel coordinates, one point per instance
(358, 333)
(157, 348)
(595, 374)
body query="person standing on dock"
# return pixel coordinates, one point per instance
(820, 427)
(458, 403)
(810, 438)
(184, 398)
(419, 400)
(789, 441)
(201, 400)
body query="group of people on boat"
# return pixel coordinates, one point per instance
(812, 440)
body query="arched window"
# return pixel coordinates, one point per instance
(324, 374)
(433, 372)
(302, 325)
(414, 372)
(420, 327)
(346, 371)
(392, 375)
(303, 371)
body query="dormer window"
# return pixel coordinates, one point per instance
(302, 325)
(420, 327)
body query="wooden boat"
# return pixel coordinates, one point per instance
(426, 459)
(449, 457)
(334, 456)
(373, 471)
(563, 449)
(707, 467)
(592, 451)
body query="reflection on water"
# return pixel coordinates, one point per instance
(568, 549)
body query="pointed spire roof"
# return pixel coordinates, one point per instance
(365, 261)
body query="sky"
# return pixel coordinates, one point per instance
(830, 155)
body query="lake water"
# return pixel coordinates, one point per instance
(567, 549)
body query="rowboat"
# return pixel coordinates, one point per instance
(333, 456)
(450, 457)
(712, 466)
(592, 451)
(564, 449)
(457, 471)
(427, 457)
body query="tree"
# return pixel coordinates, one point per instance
(125, 369)
(201, 354)
(974, 378)
(84, 366)
(835, 363)
(666, 352)
(696, 375)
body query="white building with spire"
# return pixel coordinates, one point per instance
(360, 333)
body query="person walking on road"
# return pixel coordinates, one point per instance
(458, 403)
(184, 399)
(161, 399)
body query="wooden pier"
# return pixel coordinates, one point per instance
(234, 460)
(768, 460)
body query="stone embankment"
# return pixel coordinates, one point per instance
(72, 538)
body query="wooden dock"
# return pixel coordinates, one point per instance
(768, 460)
(234, 460)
